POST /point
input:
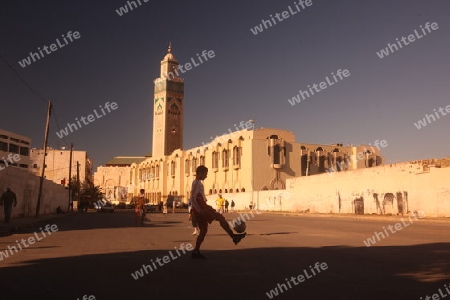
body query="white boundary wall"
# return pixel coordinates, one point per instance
(424, 191)
(26, 187)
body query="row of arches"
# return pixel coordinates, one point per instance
(225, 191)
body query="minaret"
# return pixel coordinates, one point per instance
(168, 108)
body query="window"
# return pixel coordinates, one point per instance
(25, 151)
(3, 146)
(225, 159)
(13, 148)
(35, 166)
(202, 160)
(215, 160)
(276, 154)
(186, 166)
(23, 166)
(157, 171)
(3, 136)
(194, 165)
(237, 156)
(172, 168)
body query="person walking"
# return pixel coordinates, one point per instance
(220, 202)
(139, 209)
(205, 213)
(7, 199)
(165, 207)
(232, 205)
(226, 205)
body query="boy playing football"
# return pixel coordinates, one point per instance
(206, 214)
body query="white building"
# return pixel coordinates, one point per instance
(14, 150)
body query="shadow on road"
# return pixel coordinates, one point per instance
(408, 272)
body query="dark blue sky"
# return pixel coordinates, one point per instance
(117, 58)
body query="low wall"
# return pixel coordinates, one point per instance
(26, 187)
(390, 189)
(273, 200)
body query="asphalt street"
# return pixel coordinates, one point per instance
(95, 254)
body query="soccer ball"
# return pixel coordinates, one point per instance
(240, 228)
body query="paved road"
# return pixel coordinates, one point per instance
(96, 253)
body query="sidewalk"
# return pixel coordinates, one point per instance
(16, 224)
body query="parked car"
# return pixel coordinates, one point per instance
(182, 205)
(107, 207)
(151, 207)
(121, 205)
(172, 199)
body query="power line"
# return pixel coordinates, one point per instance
(21, 79)
(59, 129)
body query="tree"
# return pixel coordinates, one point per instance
(74, 186)
(92, 193)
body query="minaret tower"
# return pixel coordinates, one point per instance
(168, 108)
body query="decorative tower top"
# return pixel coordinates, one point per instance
(169, 56)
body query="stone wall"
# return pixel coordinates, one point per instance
(389, 189)
(26, 187)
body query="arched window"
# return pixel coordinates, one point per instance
(215, 160)
(202, 160)
(157, 171)
(194, 165)
(172, 168)
(242, 190)
(237, 156)
(225, 159)
(276, 154)
(186, 166)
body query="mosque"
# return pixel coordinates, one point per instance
(246, 160)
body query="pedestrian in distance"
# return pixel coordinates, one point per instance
(226, 205)
(165, 207)
(7, 199)
(139, 211)
(220, 202)
(205, 213)
(232, 205)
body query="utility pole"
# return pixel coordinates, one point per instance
(78, 184)
(47, 127)
(70, 174)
